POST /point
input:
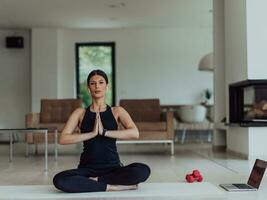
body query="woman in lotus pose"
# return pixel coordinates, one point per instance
(100, 168)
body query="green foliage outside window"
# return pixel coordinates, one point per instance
(91, 58)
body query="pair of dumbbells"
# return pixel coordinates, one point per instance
(195, 176)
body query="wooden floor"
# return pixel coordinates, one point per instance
(216, 168)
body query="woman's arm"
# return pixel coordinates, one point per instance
(130, 131)
(67, 137)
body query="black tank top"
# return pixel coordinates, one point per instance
(100, 151)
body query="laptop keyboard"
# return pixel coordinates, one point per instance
(242, 186)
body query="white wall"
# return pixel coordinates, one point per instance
(167, 57)
(14, 80)
(44, 62)
(256, 39)
(150, 63)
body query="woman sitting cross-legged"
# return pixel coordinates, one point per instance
(100, 168)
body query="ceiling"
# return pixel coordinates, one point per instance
(105, 13)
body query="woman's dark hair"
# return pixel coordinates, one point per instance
(97, 72)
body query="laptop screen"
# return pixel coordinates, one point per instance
(257, 173)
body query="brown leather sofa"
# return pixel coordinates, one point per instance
(53, 115)
(154, 126)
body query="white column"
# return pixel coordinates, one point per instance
(256, 39)
(257, 65)
(219, 137)
(245, 49)
(235, 66)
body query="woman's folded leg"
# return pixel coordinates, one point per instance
(77, 180)
(132, 174)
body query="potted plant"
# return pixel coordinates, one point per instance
(207, 97)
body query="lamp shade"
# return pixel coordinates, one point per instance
(206, 63)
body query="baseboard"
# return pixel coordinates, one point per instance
(238, 154)
(219, 148)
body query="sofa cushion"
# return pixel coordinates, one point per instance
(58, 110)
(151, 126)
(142, 110)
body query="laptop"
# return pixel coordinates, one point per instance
(254, 180)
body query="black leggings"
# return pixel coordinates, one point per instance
(77, 180)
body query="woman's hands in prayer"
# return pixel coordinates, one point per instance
(98, 126)
(95, 130)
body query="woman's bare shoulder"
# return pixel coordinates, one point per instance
(117, 109)
(79, 111)
(78, 114)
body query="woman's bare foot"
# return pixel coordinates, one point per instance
(121, 187)
(94, 178)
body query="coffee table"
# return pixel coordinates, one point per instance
(11, 131)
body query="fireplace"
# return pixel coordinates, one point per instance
(248, 103)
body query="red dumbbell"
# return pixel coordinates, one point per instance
(195, 176)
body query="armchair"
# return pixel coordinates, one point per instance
(153, 125)
(53, 116)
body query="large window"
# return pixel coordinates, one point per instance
(91, 56)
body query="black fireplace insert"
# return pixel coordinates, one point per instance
(248, 103)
